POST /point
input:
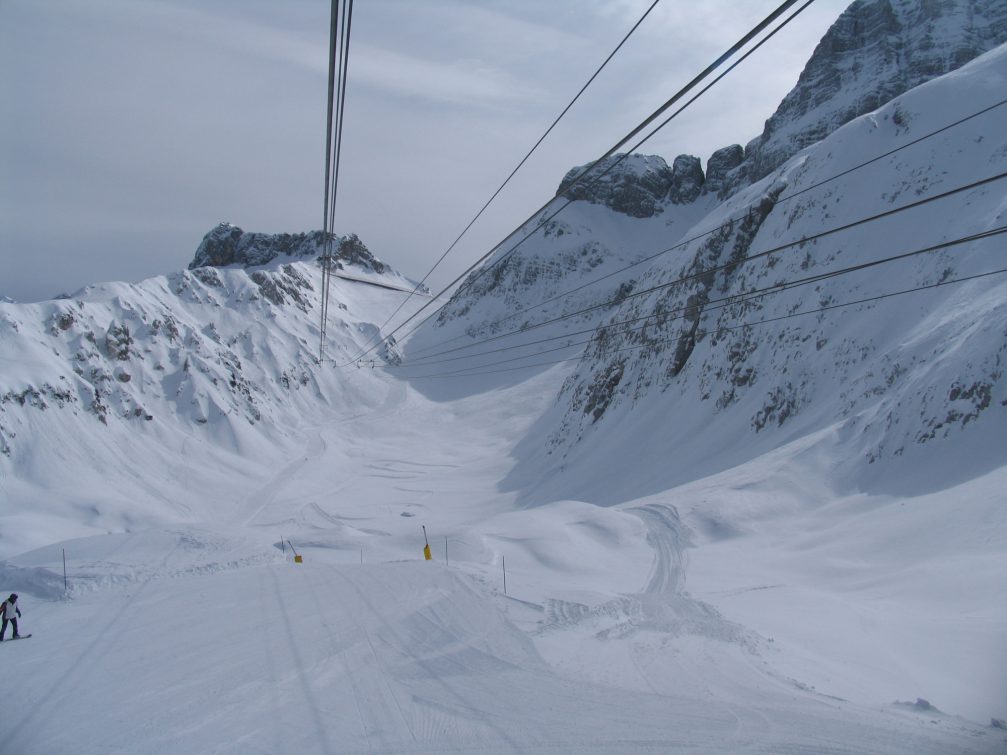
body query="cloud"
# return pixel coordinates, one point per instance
(462, 82)
(238, 32)
(136, 126)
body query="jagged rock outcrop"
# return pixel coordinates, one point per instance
(875, 51)
(351, 250)
(228, 244)
(686, 180)
(627, 362)
(721, 173)
(635, 186)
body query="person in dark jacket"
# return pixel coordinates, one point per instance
(10, 612)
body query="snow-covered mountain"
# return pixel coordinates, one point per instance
(728, 354)
(714, 460)
(876, 51)
(117, 373)
(708, 359)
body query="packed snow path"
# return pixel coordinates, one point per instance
(407, 657)
(208, 638)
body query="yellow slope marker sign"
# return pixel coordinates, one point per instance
(426, 546)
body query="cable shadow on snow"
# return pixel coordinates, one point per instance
(309, 695)
(91, 655)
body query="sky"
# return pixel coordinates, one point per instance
(131, 127)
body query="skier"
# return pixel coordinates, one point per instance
(10, 612)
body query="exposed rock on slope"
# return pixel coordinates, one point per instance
(636, 185)
(229, 245)
(720, 167)
(211, 371)
(877, 50)
(767, 349)
(700, 352)
(192, 347)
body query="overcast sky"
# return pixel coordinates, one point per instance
(130, 128)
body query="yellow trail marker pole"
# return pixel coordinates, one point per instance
(426, 547)
(297, 556)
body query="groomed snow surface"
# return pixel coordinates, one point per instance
(751, 611)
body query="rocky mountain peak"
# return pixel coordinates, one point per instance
(631, 184)
(636, 185)
(686, 180)
(875, 51)
(228, 244)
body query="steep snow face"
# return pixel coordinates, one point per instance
(714, 357)
(212, 370)
(536, 277)
(877, 50)
(897, 375)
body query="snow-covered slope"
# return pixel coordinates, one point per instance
(726, 354)
(624, 629)
(705, 359)
(210, 370)
(761, 509)
(392, 658)
(734, 366)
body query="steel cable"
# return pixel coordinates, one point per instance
(650, 119)
(681, 244)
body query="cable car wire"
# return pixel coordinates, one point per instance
(340, 24)
(722, 329)
(520, 164)
(681, 313)
(733, 264)
(681, 244)
(640, 127)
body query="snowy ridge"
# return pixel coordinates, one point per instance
(697, 351)
(931, 371)
(180, 362)
(587, 242)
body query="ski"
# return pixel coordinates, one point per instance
(19, 637)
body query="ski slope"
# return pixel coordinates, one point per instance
(634, 628)
(678, 578)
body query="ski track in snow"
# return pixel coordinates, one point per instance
(410, 657)
(186, 629)
(665, 594)
(200, 641)
(264, 498)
